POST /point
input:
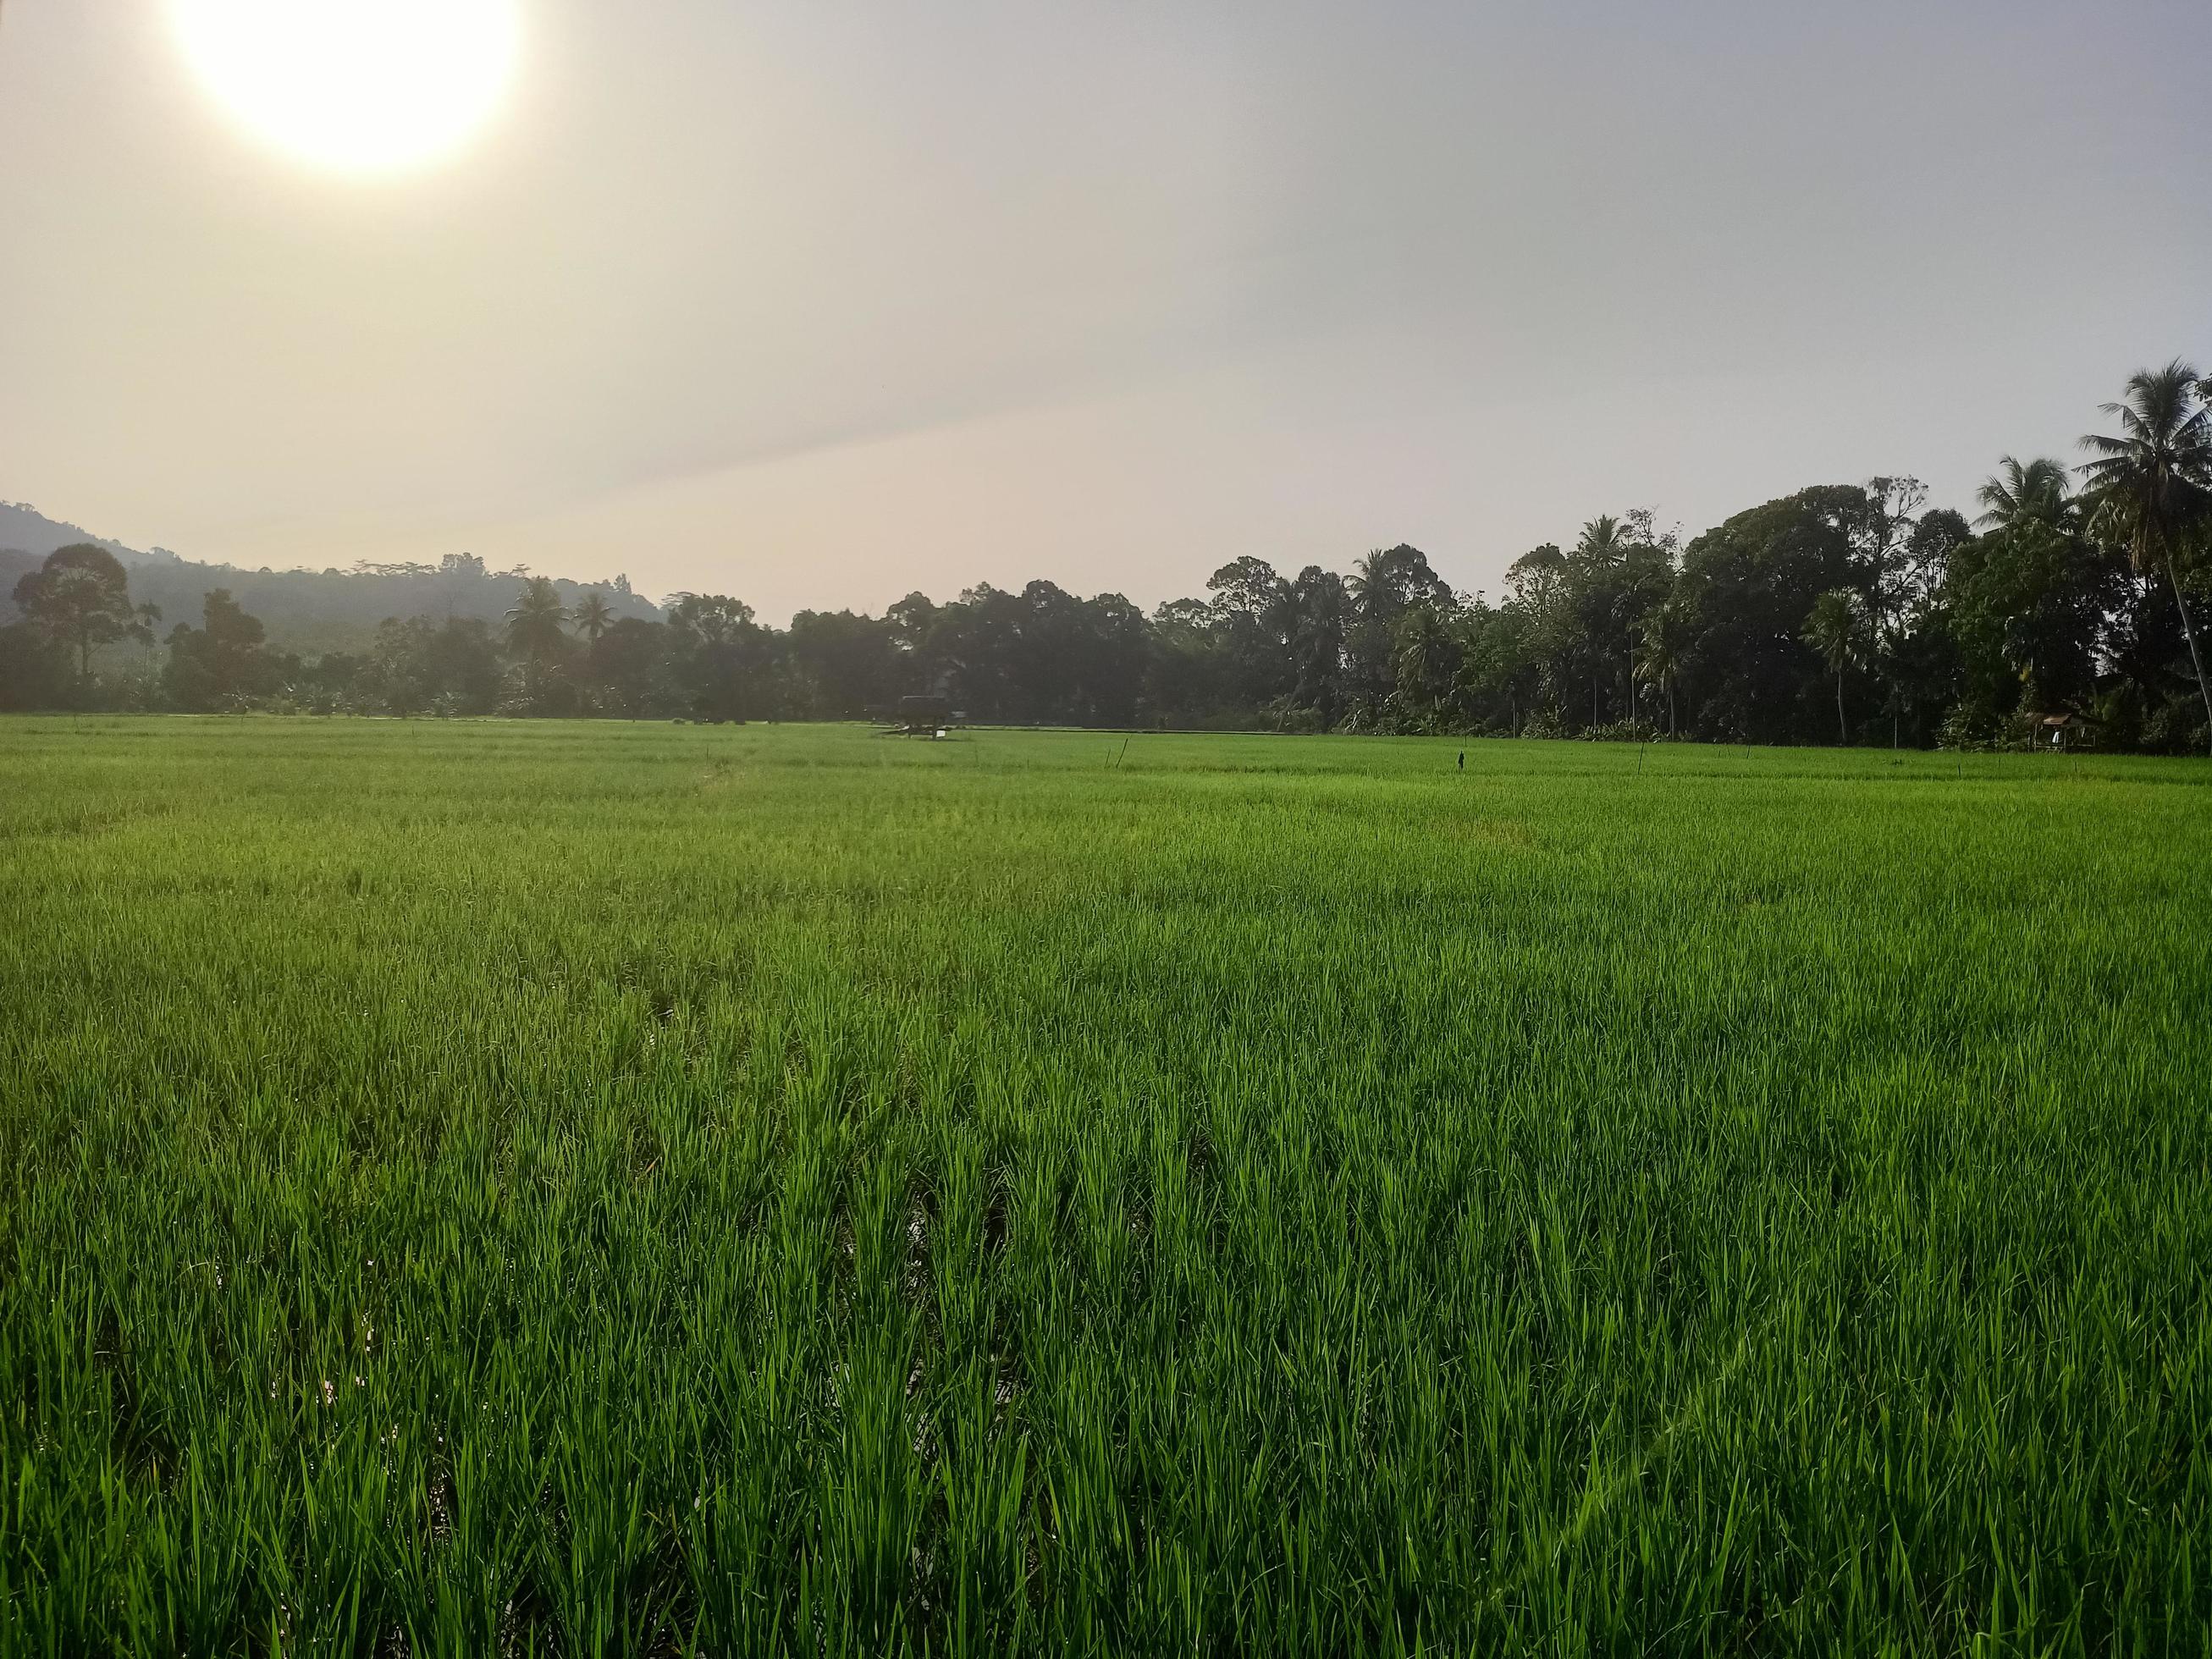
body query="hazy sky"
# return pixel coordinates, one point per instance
(819, 303)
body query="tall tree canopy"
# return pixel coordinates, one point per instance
(223, 660)
(80, 598)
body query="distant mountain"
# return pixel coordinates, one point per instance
(24, 529)
(308, 611)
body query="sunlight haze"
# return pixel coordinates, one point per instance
(817, 306)
(362, 86)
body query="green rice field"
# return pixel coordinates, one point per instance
(597, 1188)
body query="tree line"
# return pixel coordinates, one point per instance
(1851, 613)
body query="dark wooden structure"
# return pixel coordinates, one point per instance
(923, 717)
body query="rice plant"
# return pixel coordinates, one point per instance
(603, 1189)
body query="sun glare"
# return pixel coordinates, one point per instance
(356, 86)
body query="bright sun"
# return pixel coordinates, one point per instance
(360, 86)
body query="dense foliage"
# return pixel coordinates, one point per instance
(1850, 613)
(540, 1187)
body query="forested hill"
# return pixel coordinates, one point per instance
(26, 532)
(311, 612)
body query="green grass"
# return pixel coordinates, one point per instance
(474, 1188)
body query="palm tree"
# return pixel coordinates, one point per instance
(2150, 489)
(534, 627)
(1663, 641)
(1646, 578)
(1599, 550)
(1832, 629)
(141, 630)
(1426, 660)
(592, 615)
(1384, 582)
(2031, 492)
(1603, 540)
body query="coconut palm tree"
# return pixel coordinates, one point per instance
(1662, 641)
(592, 615)
(1428, 657)
(534, 627)
(1598, 551)
(2027, 492)
(1387, 582)
(1603, 540)
(1832, 629)
(2150, 488)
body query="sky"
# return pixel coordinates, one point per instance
(820, 304)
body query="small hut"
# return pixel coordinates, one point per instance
(2063, 731)
(923, 717)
